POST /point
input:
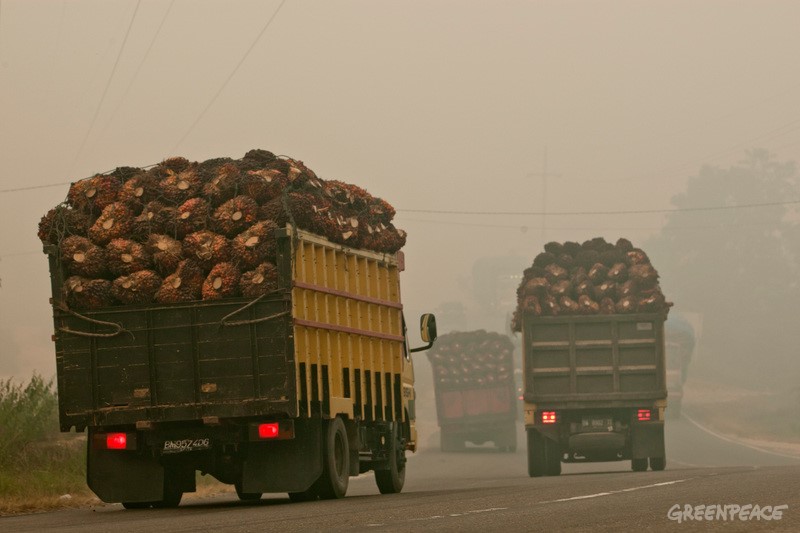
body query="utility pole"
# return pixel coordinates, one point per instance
(544, 175)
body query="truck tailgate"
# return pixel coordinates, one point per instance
(581, 360)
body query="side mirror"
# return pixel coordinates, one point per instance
(427, 331)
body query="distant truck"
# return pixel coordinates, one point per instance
(680, 343)
(476, 398)
(292, 392)
(595, 390)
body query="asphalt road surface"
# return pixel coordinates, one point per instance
(483, 490)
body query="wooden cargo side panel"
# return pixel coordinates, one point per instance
(608, 357)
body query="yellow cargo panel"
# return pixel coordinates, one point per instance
(348, 330)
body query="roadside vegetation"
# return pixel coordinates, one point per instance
(40, 468)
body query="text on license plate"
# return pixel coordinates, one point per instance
(186, 445)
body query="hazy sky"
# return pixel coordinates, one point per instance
(441, 105)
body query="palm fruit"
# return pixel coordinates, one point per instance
(191, 216)
(207, 248)
(382, 239)
(555, 248)
(618, 272)
(184, 285)
(260, 281)
(555, 273)
(60, 222)
(568, 305)
(223, 182)
(115, 221)
(607, 306)
(81, 257)
(235, 216)
(628, 304)
(587, 258)
(256, 159)
(136, 288)
(85, 293)
(381, 211)
(255, 245)
(221, 282)
(589, 306)
(598, 273)
(92, 195)
(137, 191)
(623, 245)
(148, 221)
(653, 302)
(561, 288)
(607, 289)
(544, 259)
(263, 185)
(566, 261)
(126, 256)
(637, 257)
(628, 288)
(584, 288)
(178, 180)
(347, 195)
(550, 306)
(535, 287)
(643, 274)
(166, 252)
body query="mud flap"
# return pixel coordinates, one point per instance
(285, 466)
(123, 476)
(647, 440)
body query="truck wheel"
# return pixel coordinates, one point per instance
(658, 463)
(537, 458)
(335, 461)
(391, 481)
(553, 458)
(639, 465)
(247, 496)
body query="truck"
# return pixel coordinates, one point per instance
(294, 391)
(595, 390)
(680, 344)
(476, 399)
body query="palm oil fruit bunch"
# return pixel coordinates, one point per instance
(595, 277)
(181, 231)
(472, 358)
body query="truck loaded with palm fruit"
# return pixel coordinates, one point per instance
(592, 321)
(476, 401)
(241, 318)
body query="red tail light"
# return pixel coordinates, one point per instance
(268, 431)
(116, 441)
(644, 415)
(548, 417)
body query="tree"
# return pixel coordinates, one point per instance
(739, 268)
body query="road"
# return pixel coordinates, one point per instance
(482, 490)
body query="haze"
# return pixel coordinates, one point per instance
(442, 106)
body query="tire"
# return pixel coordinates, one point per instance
(391, 481)
(639, 465)
(537, 454)
(553, 458)
(658, 463)
(335, 477)
(247, 496)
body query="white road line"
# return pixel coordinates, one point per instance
(609, 493)
(736, 441)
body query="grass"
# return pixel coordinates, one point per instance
(40, 467)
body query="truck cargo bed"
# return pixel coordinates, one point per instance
(594, 361)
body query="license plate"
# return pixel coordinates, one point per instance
(185, 445)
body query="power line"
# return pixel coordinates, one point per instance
(230, 76)
(595, 213)
(108, 84)
(141, 64)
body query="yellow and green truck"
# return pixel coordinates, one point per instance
(291, 392)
